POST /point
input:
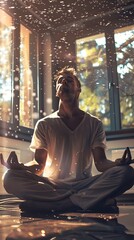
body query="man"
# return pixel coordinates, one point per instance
(65, 143)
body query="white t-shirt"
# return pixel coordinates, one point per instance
(69, 151)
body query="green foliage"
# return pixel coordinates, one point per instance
(89, 101)
(92, 69)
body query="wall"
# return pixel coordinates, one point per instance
(20, 147)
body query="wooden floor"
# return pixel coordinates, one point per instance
(15, 225)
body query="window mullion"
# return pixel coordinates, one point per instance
(113, 82)
(16, 73)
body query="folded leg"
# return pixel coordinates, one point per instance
(110, 184)
(28, 186)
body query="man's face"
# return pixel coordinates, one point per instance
(66, 86)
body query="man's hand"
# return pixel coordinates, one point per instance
(126, 158)
(12, 161)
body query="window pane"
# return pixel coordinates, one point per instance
(28, 78)
(92, 71)
(6, 42)
(124, 42)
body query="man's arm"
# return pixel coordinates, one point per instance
(36, 166)
(101, 161)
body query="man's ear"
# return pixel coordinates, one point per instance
(79, 89)
(56, 94)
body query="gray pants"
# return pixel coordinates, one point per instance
(86, 193)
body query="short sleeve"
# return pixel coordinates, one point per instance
(39, 138)
(100, 137)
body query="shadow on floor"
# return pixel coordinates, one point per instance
(15, 225)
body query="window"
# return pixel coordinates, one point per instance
(124, 43)
(108, 95)
(28, 78)
(19, 93)
(6, 48)
(92, 70)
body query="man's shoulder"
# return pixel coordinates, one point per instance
(93, 122)
(53, 115)
(92, 117)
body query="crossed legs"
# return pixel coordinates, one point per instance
(85, 194)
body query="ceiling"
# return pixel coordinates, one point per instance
(56, 14)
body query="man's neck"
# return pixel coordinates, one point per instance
(68, 111)
(71, 116)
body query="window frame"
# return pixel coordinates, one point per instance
(116, 132)
(13, 129)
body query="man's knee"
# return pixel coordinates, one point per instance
(129, 173)
(124, 174)
(8, 181)
(121, 173)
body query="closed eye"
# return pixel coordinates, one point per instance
(60, 79)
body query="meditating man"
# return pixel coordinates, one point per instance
(65, 144)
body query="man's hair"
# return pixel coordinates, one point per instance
(70, 71)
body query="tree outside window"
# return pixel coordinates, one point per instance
(28, 78)
(19, 93)
(92, 71)
(6, 47)
(124, 43)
